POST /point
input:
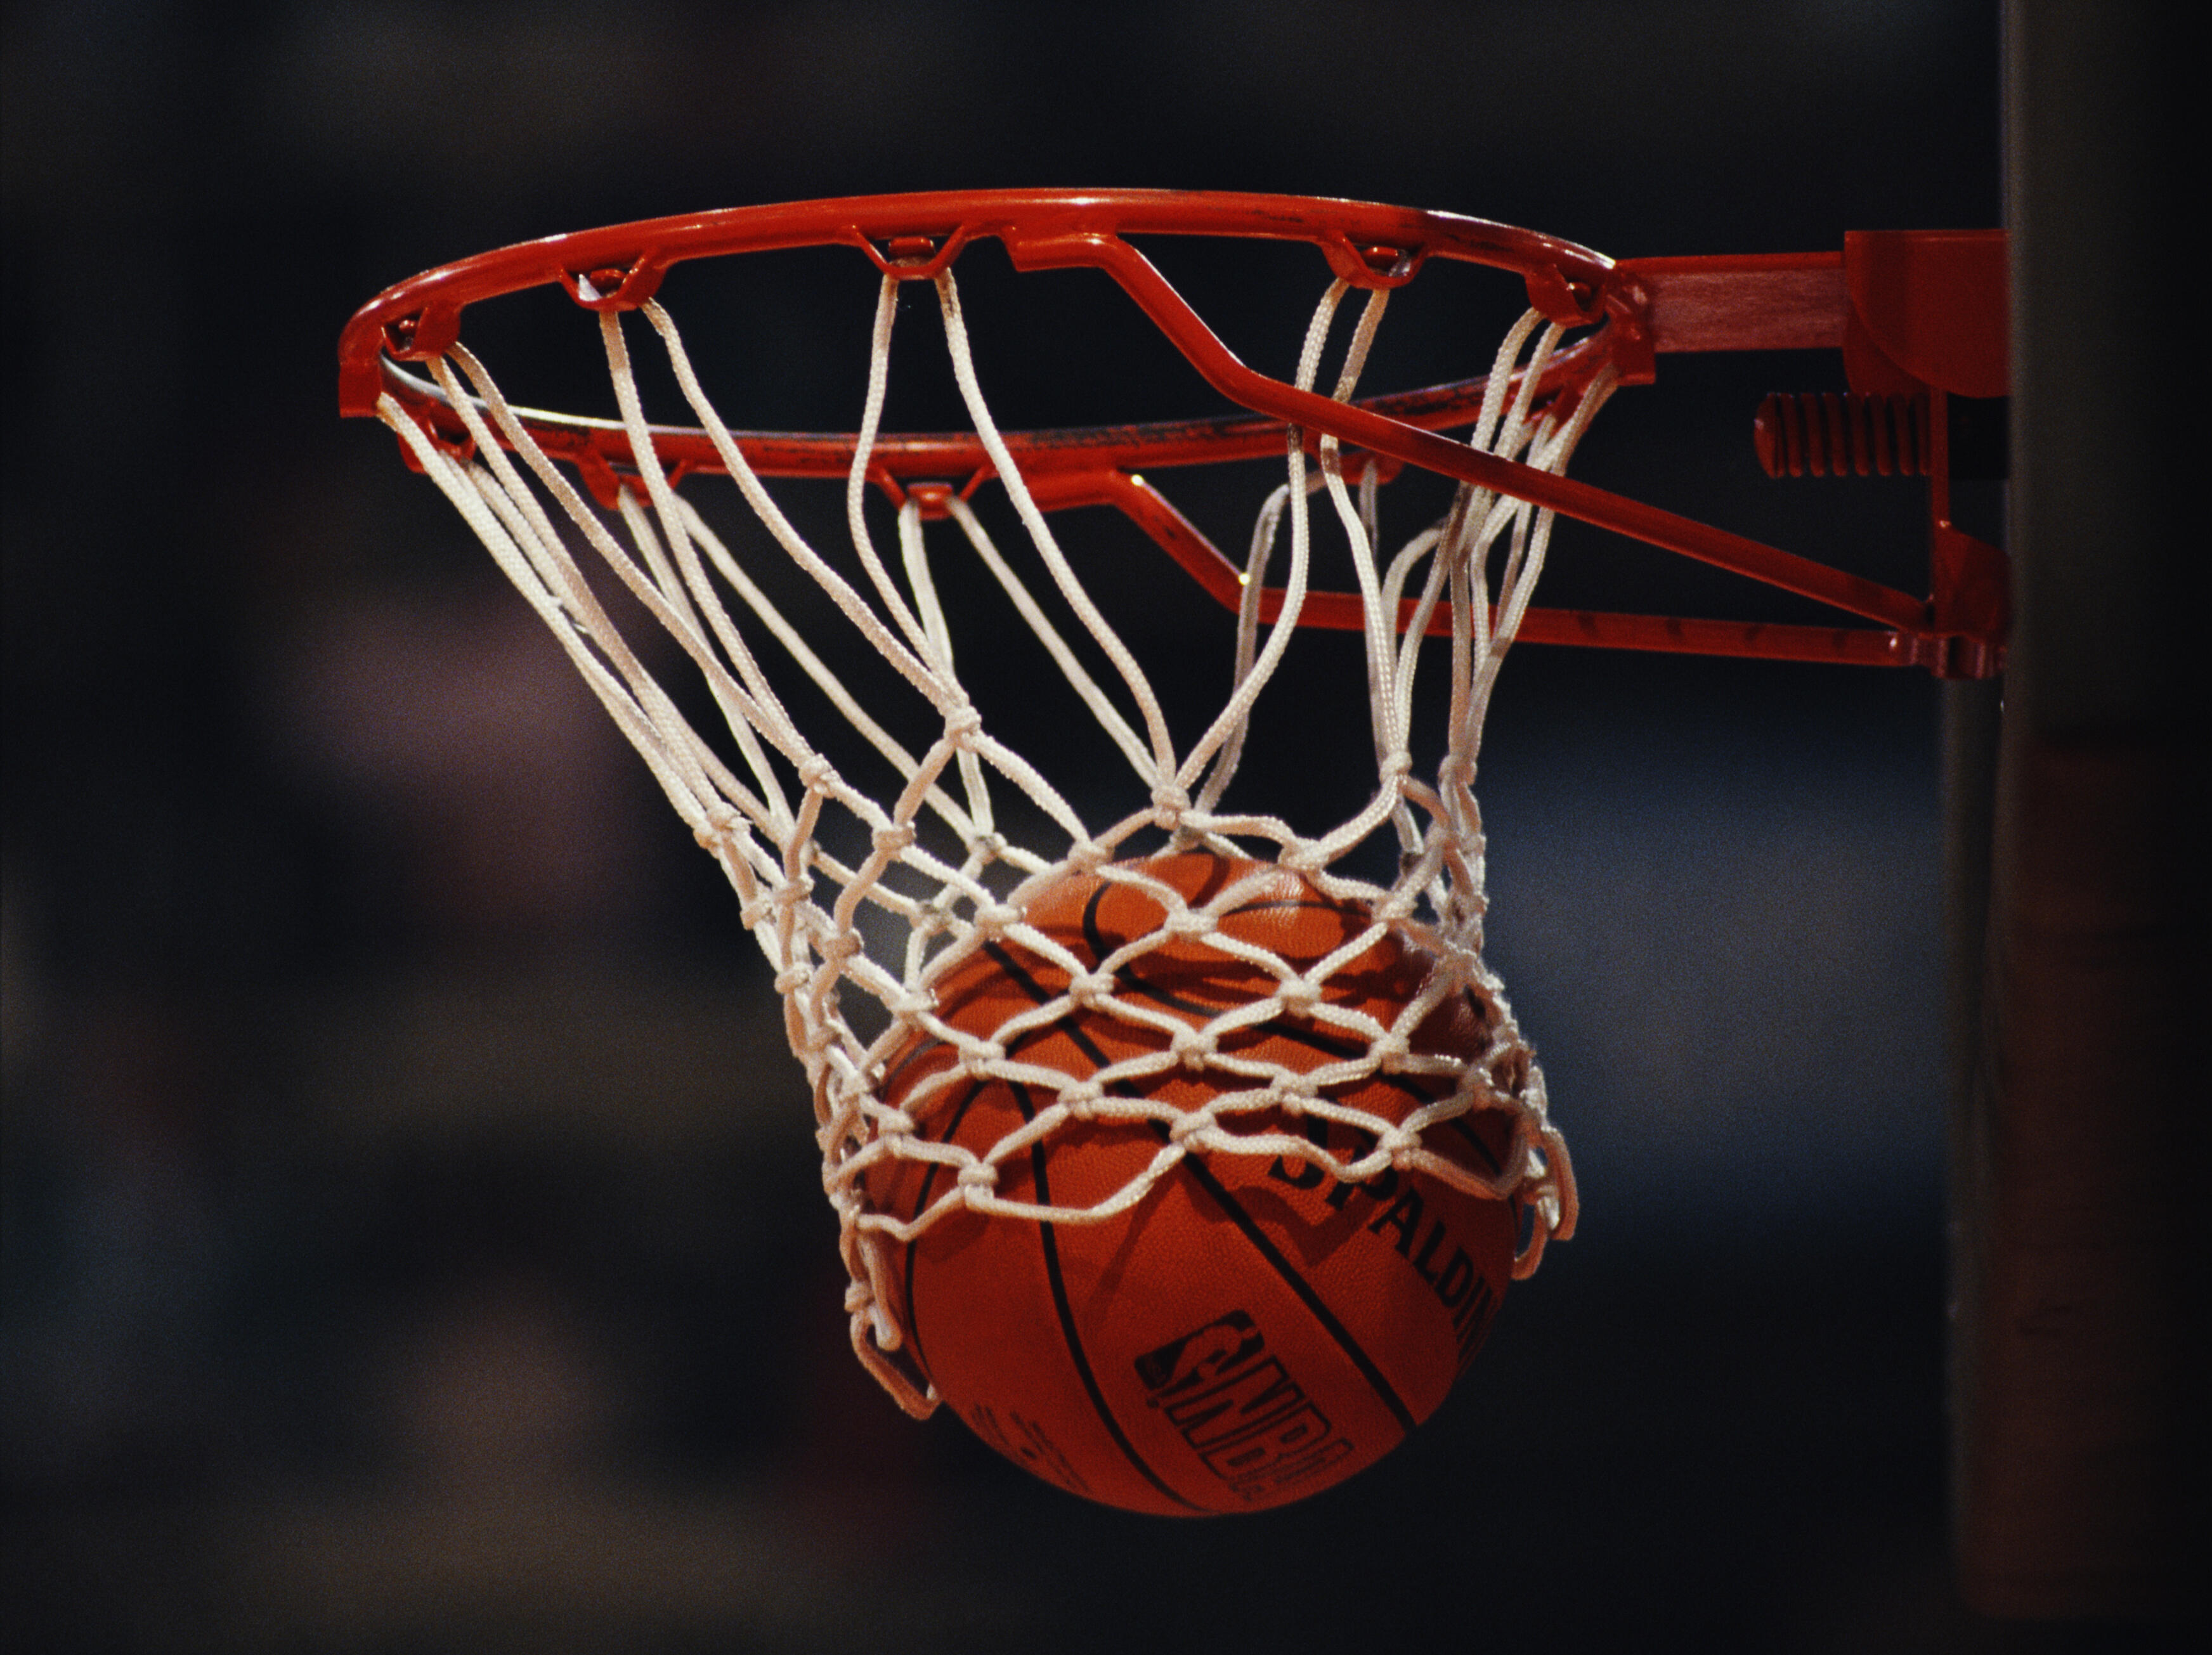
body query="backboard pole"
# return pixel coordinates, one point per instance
(2077, 1136)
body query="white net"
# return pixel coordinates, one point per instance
(863, 899)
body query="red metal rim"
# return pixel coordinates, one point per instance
(915, 237)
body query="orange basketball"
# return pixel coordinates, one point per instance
(1253, 1331)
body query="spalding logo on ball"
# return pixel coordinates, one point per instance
(1254, 1329)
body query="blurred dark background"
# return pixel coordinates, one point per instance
(413, 1238)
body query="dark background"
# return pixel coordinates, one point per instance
(412, 1234)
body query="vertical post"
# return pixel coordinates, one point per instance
(2078, 1145)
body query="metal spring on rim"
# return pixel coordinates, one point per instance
(1830, 434)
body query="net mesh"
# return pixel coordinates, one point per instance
(865, 897)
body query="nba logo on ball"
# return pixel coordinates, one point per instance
(1241, 1413)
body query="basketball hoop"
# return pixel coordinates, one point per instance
(923, 846)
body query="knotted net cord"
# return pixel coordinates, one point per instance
(936, 864)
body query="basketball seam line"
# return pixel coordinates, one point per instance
(1299, 1285)
(1049, 1240)
(1052, 1275)
(921, 1204)
(1249, 1226)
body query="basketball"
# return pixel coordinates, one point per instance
(1253, 1330)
